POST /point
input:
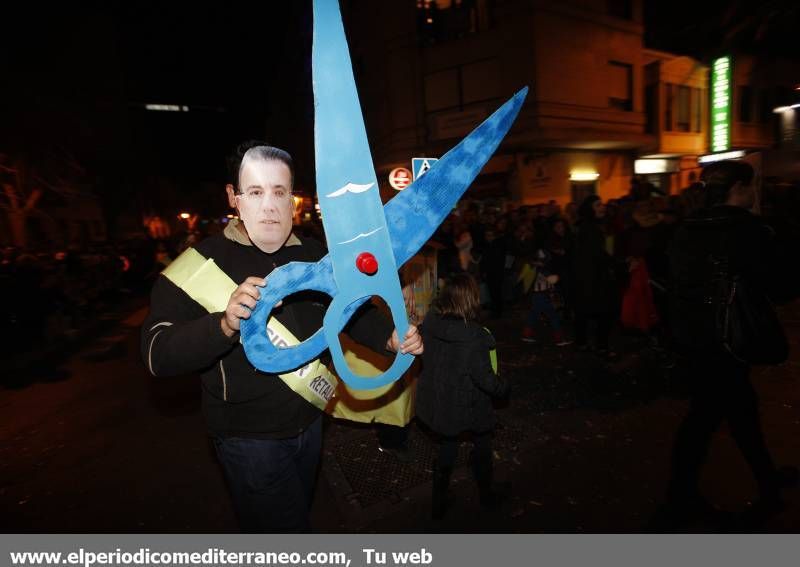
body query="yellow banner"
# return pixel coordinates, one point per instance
(527, 275)
(206, 283)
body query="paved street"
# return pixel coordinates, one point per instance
(100, 446)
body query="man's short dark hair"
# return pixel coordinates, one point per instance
(234, 159)
(266, 152)
(720, 177)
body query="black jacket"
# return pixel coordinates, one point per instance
(457, 382)
(724, 233)
(179, 336)
(594, 286)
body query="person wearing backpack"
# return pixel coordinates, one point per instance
(719, 247)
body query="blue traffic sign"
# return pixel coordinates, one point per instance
(420, 166)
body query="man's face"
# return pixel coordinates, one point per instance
(743, 196)
(599, 209)
(265, 203)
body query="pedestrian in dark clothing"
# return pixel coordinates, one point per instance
(477, 230)
(594, 291)
(560, 244)
(493, 264)
(447, 256)
(456, 387)
(720, 388)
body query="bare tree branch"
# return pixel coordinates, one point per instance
(33, 199)
(12, 196)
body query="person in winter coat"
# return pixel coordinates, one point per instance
(560, 243)
(492, 264)
(594, 291)
(267, 434)
(720, 387)
(464, 245)
(456, 387)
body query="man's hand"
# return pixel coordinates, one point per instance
(242, 301)
(412, 344)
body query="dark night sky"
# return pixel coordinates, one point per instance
(706, 29)
(231, 64)
(74, 76)
(72, 72)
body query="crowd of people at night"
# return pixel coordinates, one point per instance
(598, 253)
(697, 273)
(74, 286)
(584, 273)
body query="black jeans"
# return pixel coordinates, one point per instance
(448, 449)
(272, 480)
(720, 389)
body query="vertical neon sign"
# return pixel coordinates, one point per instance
(721, 104)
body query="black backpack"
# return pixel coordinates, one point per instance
(745, 322)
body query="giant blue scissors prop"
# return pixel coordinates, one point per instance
(367, 241)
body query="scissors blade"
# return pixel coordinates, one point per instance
(347, 186)
(414, 215)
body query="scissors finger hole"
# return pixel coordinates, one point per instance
(308, 305)
(360, 359)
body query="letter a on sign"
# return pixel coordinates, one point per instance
(420, 166)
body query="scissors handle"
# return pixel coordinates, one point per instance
(294, 277)
(339, 312)
(286, 280)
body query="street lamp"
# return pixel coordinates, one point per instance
(190, 219)
(583, 175)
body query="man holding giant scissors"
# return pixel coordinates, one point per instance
(265, 416)
(267, 428)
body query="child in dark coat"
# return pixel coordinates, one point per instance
(456, 386)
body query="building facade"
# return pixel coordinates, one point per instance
(435, 70)
(764, 115)
(676, 94)
(601, 107)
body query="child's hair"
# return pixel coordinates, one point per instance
(459, 297)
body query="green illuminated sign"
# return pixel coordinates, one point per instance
(721, 104)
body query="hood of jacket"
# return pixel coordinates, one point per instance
(455, 330)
